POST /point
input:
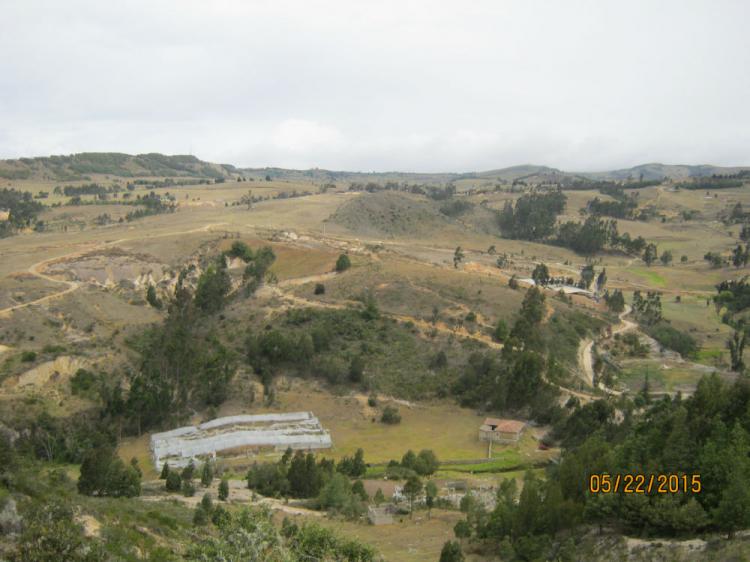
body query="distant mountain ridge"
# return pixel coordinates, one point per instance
(78, 166)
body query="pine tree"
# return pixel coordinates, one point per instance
(359, 468)
(223, 490)
(412, 489)
(458, 257)
(431, 493)
(164, 471)
(451, 552)
(207, 474)
(733, 512)
(173, 481)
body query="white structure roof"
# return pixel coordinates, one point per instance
(298, 430)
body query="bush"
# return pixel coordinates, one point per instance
(343, 263)
(82, 382)
(174, 482)
(451, 552)
(320, 289)
(223, 490)
(390, 415)
(188, 488)
(28, 356)
(673, 339)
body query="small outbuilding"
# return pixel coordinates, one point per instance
(498, 430)
(381, 515)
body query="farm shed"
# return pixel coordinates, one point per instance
(501, 431)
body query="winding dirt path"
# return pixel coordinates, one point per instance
(586, 351)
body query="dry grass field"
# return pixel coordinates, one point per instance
(71, 285)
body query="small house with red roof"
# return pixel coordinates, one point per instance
(498, 430)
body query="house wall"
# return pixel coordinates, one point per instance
(498, 436)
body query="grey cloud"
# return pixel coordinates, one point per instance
(386, 85)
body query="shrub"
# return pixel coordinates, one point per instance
(82, 382)
(28, 356)
(391, 415)
(343, 263)
(673, 339)
(320, 289)
(188, 488)
(174, 482)
(223, 490)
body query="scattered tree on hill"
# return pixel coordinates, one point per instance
(213, 285)
(247, 200)
(379, 497)
(164, 471)
(104, 474)
(601, 280)
(431, 493)
(458, 257)
(715, 259)
(173, 481)
(203, 511)
(666, 257)
(358, 489)
(320, 289)
(650, 254)
(462, 528)
(343, 263)
(736, 346)
(412, 489)
(355, 466)
(540, 275)
(240, 250)
(207, 474)
(151, 297)
(451, 552)
(615, 301)
(390, 415)
(587, 276)
(188, 488)
(223, 490)
(501, 330)
(740, 255)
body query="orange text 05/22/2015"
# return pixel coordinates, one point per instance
(639, 483)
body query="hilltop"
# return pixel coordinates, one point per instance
(76, 167)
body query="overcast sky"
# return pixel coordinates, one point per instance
(380, 85)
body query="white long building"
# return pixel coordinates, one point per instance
(235, 435)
